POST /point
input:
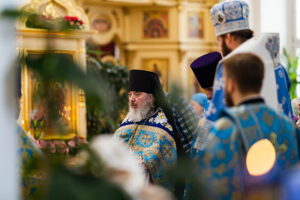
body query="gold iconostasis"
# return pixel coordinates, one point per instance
(163, 36)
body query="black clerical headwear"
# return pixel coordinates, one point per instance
(205, 67)
(143, 81)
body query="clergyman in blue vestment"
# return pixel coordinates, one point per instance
(146, 128)
(231, 23)
(204, 69)
(226, 164)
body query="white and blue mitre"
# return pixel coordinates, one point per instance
(152, 140)
(229, 16)
(263, 47)
(222, 161)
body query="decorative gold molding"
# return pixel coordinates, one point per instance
(149, 2)
(42, 33)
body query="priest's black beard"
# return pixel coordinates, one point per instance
(225, 48)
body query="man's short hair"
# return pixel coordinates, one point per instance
(241, 36)
(247, 70)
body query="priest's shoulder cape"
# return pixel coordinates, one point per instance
(260, 46)
(152, 139)
(222, 161)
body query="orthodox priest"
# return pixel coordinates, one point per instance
(233, 34)
(149, 129)
(204, 69)
(250, 143)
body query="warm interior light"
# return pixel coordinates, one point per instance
(260, 158)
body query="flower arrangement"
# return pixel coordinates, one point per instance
(50, 23)
(73, 22)
(61, 147)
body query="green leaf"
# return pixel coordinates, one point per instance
(12, 13)
(34, 123)
(292, 66)
(37, 134)
(95, 52)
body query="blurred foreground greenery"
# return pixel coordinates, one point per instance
(117, 77)
(292, 67)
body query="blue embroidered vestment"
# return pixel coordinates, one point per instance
(152, 140)
(283, 87)
(222, 161)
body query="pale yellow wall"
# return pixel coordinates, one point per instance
(193, 47)
(117, 17)
(115, 14)
(162, 48)
(179, 49)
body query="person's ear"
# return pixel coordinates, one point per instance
(228, 39)
(151, 97)
(230, 85)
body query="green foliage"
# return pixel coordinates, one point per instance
(37, 127)
(117, 77)
(12, 13)
(53, 24)
(292, 66)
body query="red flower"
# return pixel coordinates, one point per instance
(67, 18)
(81, 22)
(74, 18)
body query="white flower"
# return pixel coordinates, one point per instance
(118, 158)
(160, 118)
